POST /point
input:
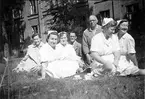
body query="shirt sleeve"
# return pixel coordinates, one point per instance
(85, 44)
(131, 46)
(44, 54)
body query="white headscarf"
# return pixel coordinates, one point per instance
(106, 21)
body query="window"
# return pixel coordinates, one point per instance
(105, 13)
(33, 9)
(17, 13)
(34, 29)
(131, 9)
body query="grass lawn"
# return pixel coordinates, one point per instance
(26, 86)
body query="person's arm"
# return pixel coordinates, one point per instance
(132, 57)
(131, 50)
(106, 64)
(43, 68)
(85, 44)
(116, 58)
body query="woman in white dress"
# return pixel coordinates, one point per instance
(62, 60)
(105, 49)
(128, 63)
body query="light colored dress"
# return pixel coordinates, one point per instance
(127, 45)
(62, 62)
(105, 48)
(31, 59)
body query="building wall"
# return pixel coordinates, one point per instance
(119, 6)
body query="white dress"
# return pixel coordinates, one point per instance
(127, 45)
(63, 63)
(105, 48)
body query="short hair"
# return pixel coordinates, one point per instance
(110, 24)
(73, 32)
(35, 34)
(52, 33)
(64, 33)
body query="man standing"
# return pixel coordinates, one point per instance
(76, 45)
(92, 30)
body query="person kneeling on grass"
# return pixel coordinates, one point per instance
(31, 61)
(128, 63)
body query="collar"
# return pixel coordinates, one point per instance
(124, 36)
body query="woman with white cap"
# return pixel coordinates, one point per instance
(105, 49)
(128, 63)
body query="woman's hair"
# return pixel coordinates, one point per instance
(63, 33)
(122, 20)
(110, 24)
(52, 33)
(35, 34)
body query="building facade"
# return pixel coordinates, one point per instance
(34, 17)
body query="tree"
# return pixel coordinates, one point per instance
(68, 15)
(12, 25)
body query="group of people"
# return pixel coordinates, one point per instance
(104, 49)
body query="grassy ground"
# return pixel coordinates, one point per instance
(26, 86)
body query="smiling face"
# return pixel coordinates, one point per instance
(52, 40)
(63, 39)
(36, 40)
(123, 27)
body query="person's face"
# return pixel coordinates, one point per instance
(110, 31)
(123, 27)
(63, 39)
(36, 40)
(72, 37)
(93, 21)
(52, 41)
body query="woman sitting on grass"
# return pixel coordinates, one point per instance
(105, 49)
(32, 57)
(128, 63)
(58, 60)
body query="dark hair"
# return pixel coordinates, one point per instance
(110, 24)
(52, 33)
(73, 32)
(122, 20)
(35, 34)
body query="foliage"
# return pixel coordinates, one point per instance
(68, 14)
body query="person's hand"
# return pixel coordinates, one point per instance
(108, 65)
(89, 59)
(115, 63)
(81, 63)
(79, 70)
(36, 68)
